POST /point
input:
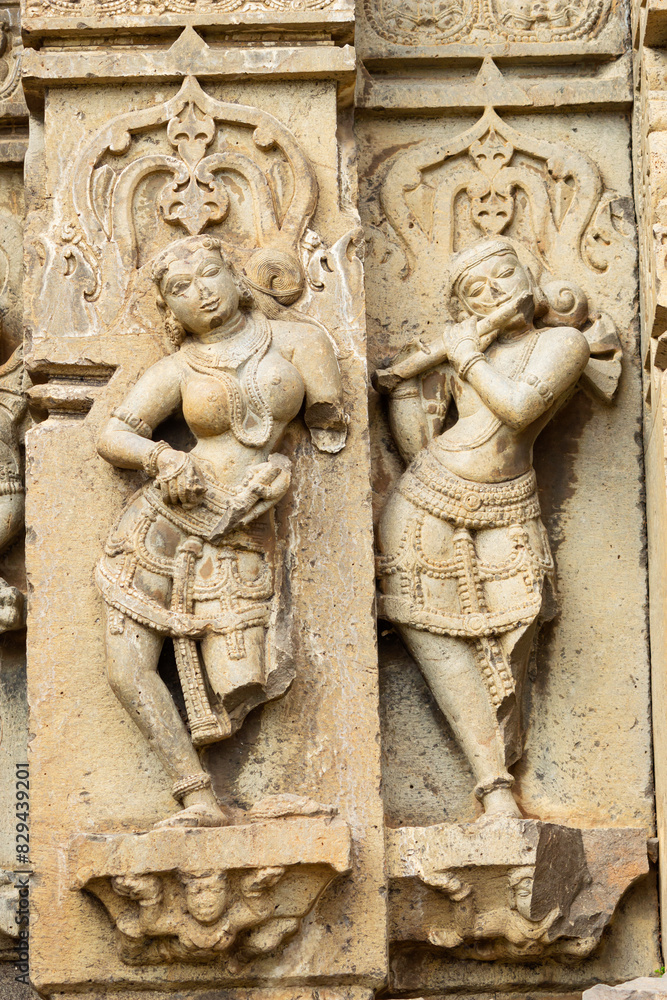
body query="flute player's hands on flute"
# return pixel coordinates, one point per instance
(461, 341)
(467, 340)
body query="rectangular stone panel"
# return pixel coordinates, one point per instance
(433, 187)
(308, 760)
(440, 29)
(53, 19)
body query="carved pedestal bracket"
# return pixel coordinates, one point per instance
(237, 893)
(510, 889)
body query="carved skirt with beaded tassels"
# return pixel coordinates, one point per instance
(469, 560)
(161, 570)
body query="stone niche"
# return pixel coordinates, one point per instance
(291, 889)
(470, 907)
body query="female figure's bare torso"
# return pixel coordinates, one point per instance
(192, 557)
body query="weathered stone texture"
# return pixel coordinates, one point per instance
(266, 815)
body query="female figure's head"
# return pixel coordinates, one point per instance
(198, 286)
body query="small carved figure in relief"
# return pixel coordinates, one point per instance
(196, 916)
(191, 557)
(464, 561)
(12, 491)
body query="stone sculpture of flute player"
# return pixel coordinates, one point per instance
(464, 560)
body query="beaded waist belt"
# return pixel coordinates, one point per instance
(432, 487)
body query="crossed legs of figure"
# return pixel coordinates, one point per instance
(132, 668)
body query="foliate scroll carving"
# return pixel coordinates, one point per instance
(548, 199)
(421, 21)
(553, 891)
(493, 180)
(233, 895)
(442, 22)
(188, 165)
(38, 8)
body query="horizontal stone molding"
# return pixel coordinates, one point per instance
(315, 62)
(90, 17)
(608, 86)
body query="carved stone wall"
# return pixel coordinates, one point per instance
(649, 136)
(328, 332)
(252, 171)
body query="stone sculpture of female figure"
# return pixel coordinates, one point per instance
(464, 560)
(191, 556)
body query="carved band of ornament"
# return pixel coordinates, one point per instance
(10, 483)
(38, 8)
(136, 424)
(11, 49)
(442, 22)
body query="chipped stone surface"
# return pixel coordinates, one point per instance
(208, 811)
(424, 198)
(643, 988)
(553, 892)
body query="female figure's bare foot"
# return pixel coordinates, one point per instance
(201, 809)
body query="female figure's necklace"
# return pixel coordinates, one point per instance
(233, 348)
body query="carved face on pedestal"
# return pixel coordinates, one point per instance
(521, 891)
(492, 281)
(206, 896)
(200, 289)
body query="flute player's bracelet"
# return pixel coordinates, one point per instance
(405, 391)
(469, 362)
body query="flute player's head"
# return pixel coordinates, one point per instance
(485, 276)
